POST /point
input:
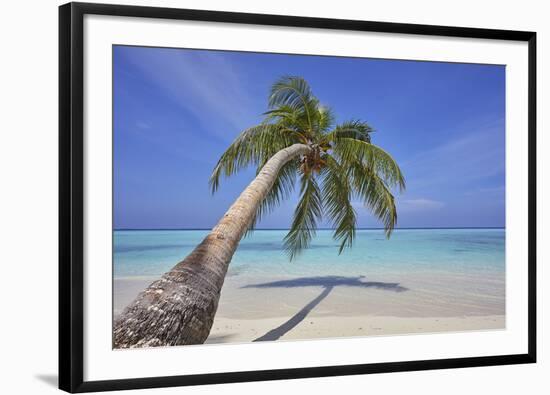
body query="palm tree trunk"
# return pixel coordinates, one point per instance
(179, 308)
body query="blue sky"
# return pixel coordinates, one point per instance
(176, 111)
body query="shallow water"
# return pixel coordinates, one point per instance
(467, 251)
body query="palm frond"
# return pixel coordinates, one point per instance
(354, 129)
(337, 193)
(281, 190)
(294, 93)
(290, 120)
(252, 147)
(324, 119)
(350, 150)
(375, 194)
(307, 213)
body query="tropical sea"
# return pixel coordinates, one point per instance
(418, 280)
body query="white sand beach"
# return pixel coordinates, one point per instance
(290, 308)
(226, 330)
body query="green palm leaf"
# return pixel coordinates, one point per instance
(325, 119)
(350, 150)
(253, 146)
(375, 194)
(281, 190)
(355, 129)
(337, 193)
(307, 213)
(294, 93)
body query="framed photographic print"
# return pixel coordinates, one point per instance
(251, 197)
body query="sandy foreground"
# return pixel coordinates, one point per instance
(332, 307)
(227, 330)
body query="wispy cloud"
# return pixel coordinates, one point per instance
(205, 84)
(143, 125)
(474, 156)
(420, 204)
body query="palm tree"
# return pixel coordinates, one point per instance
(297, 139)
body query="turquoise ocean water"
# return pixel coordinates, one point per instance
(472, 252)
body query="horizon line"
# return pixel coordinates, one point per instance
(362, 228)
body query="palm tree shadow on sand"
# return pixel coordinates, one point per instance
(327, 283)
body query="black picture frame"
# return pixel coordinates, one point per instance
(71, 172)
